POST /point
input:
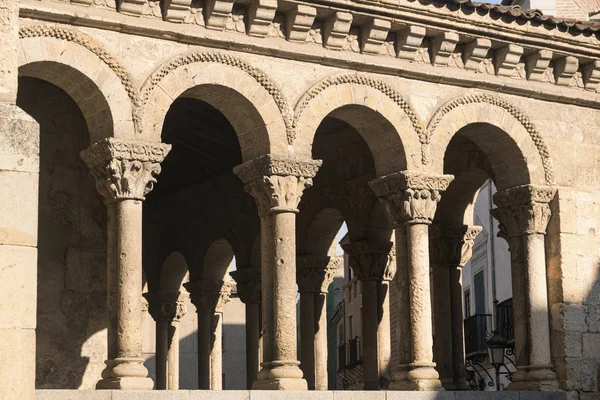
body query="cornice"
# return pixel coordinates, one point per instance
(562, 44)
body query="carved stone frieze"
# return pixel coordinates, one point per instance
(124, 169)
(410, 197)
(315, 273)
(369, 259)
(167, 305)
(523, 210)
(248, 283)
(452, 247)
(276, 182)
(209, 295)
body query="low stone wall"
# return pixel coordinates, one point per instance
(288, 395)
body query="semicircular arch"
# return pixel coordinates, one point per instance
(505, 122)
(386, 121)
(75, 62)
(250, 100)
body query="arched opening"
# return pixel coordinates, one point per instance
(199, 207)
(71, 227)
(472, 275)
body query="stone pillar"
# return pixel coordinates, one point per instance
(249, 290)
(277, 184)
(411, 200)
(167, 308)
(19, 180)
(451, 248)
(210, 297)
(314, 275)
(369, 261)
(125, 172)
(523, 213)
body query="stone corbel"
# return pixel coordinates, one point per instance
(474, 52)
(177, 10)
(565, 69)
(298, 22)
(442, 47)
(336, 29)
(452, 247)
(369, 259)
(209, 295)
(217, 13)
(167, 305)
(591, 75)
(507, 58)
(260, 16)
(536, 64)
(374, 34)
(314, 274)
(131, 7)
(409, 41)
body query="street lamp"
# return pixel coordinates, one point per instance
(496, 347)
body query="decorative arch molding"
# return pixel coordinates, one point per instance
(360, 80)
(97, 49)
(277, 96)
(512, 110)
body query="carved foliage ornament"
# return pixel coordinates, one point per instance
(315, 273)
(97, 49)
(167, 305)
(410, 197)
(124, 169)
(209, 295)
(277, 183)
(494, 100)
(452, 247)
(369, 259)
(523, 210)
(248, 283)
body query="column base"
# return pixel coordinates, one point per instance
(417, 377)
(125, 374)
(534, 378)
(129, 383)
(282, 375)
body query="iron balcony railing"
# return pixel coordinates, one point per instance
(477, 328)
(504, 320)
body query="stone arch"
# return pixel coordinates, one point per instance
(322, 232)
(501, 117)
(173, 271)
(102, 88)
(249, 99)
(217, 259)
(370, 106)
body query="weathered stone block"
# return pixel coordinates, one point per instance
(19, 140)
(400, 395)
(589, 375)
(591, 345)
(73, 395)
(220, 395)
(357, 395)
(18, 208)
(542, 396)
(292, 395)
(18, 278)
(18, 375)
(150, 395)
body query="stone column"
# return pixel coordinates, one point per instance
(451, 248)
(277, 184)
(411, 200)
(249, 290)
(523, 213)
(125, 172)
(209, 297)
(314, 275)
(19, 180)
(167, 308)
(369, 261)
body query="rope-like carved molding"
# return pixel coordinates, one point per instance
(529, 126)
(221, 58)
(97, 49)
(359, 79)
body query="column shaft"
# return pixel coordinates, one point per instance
(216, 352)
(307, 336)
(370, 342)
(443, 323)
(173, 357)
(457, 329)
(252, 342)
(162, 348)
(320, 342)
(403, 298)
(204, 349)
(267, 271)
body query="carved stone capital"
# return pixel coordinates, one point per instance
(167, 305)
(369, 259)
(452, 247)
(276, 182)
(410, 197)
(209, 295)
(124, 169)
(248, 282)
(523, 210)
(314, 274)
